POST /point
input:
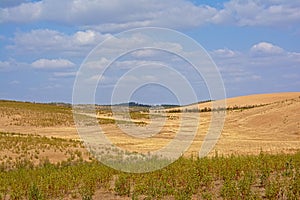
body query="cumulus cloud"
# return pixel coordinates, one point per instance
(41, 41)
(266, 54)
(225, 53)
(238, 66)
(108, 16)
(266, 48)
(259, 13)
(85, 37)
(111, 15)
(24, 12)
(52, 64)
(101, 63)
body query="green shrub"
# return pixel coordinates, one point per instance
(122, 185)
(35, 193)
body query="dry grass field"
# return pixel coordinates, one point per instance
(266, 122)
(271, 125)
(40, 143)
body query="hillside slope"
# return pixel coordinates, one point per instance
(255, 99)
(273, 127)
(272, 124)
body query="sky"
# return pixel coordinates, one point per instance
(254, 44)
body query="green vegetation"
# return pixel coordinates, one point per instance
(49, 181)
(135, 113)
(53, 114)
(113, 121)
(233, 177)
(36, 167)
(36, 114)
(208, 109)
(139, 115)
(17, 149)
(133, 107)
(106, 121)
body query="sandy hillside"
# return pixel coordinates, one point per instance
(38, 119)
(272, 125)
(255, 99)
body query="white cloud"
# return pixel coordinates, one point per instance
(24, 12)
(259, 13)
(266, 48)
(263, 56)
(225, 53)
(116, 15)
(41, 41)
(9, 65)
(102, 80)
(119, 65)
(145, 53)
(136, 78)
(111, 15)
(129, 64)
(101, 63)
(4, 65)
(52, 64)
(64, 74)
(86, 37)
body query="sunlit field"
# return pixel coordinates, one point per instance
(256, 157)
(32, 175)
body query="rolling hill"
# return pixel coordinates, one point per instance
(268, 122)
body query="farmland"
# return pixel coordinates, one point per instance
(232, 177)
(257, 155)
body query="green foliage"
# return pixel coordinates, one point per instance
(35, 193)
(122, 185)
(36, 114)
(106, 121)
(22, 151)
(208, 109)
(139, 115)
(232, 177)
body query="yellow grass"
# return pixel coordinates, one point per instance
(272, 127)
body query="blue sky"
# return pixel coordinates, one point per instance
(255, 44)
